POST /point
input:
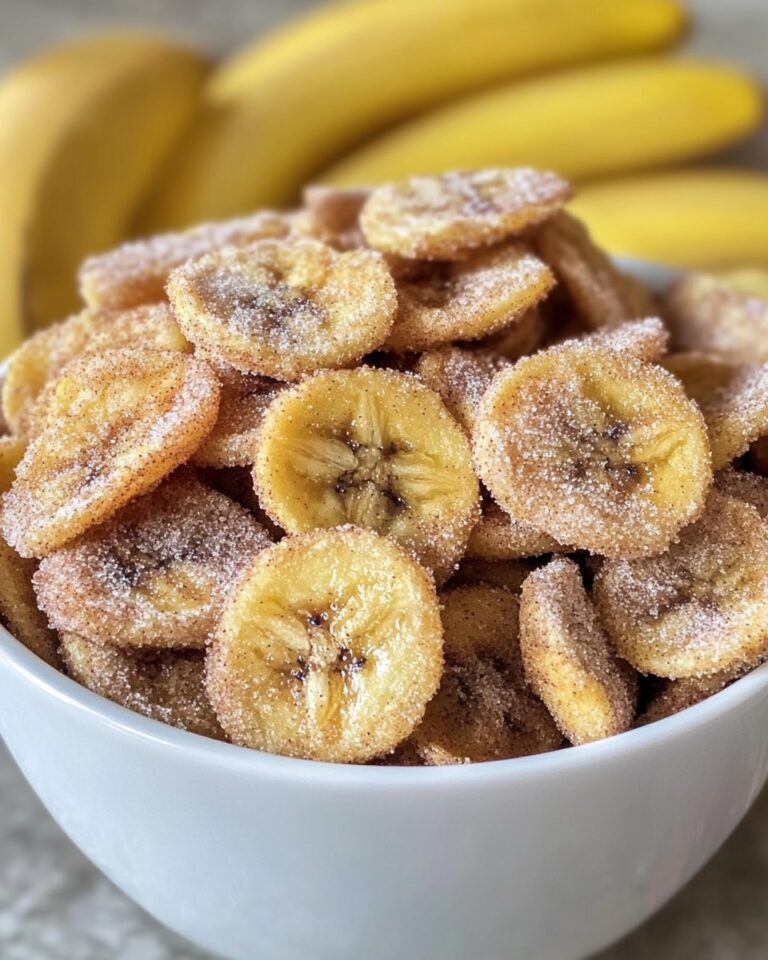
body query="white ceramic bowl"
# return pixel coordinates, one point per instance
(250, 855)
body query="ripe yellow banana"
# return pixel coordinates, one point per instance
(691, 218)
(83, 128)
(289, 104)
(585, 123)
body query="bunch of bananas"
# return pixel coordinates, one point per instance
(127, 133)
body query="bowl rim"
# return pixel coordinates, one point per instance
(28, 667)
(35, 671)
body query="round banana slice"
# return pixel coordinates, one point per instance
(701, 374)
(741, 485)
(137, 272)
(116, 423)
(706, 313)
(645, 339)
(156, 575)
(483, 710)
(41, 359)
(598, 449)
(245, 400)
(497, 536)
(567, 657)
(460, 377)
(677, 695)
(374, 448)
(699, 608)
(509, 574)
(11, 451)
(19, 612)
(601, 294)
(284, 309)
(165, 685)
(440, 301)
(237, 484)
(333, 215)
(443, 217)
(330, 648)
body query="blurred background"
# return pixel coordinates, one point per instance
(655, 108)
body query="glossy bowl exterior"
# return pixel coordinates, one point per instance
(250, 855)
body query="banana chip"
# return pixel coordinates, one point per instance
(18, 607)
(509, 574)
(439, 301)
(497, 536)
(598, 449)
(329, 649)
(165, 685)
(677, 695)
(333, 215)
(116, 423)
(39, 360)
(482, 710)
(245, 400)
(460, 377)
(373, 448)
(601, 294)
(155, 575)
(709, 314)
(645, 339)
(285, 309)
(137, 272)
(699, 608)
(567, 657)
(749, 487)
(444, 217)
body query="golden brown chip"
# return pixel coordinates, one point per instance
(483, 710)
(165, 685)
(737, 413)
(601, 294)
(699, 608)
(497, 536)
(518, 339)
(645, 339)
(18, 607)
(439, 301)
(460, 377)
(568, 659)
(11, 451)
(749, 487)
(116, 423)
(333, 215)
(245, 400)
(708, 314)
(155, 575)
(443, 217)
(285, 308)
(598, 449)
(677, 695)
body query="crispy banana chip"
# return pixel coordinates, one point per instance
(333, 215)
(497, 536)
(483, 710)
(741, 485)
(460, 377)
(509, 574)
(702, 374)
(568, 659)
(137, 272)
(245, 400)
(444, 217)
(708, 314)
(155, 575)
(39, 360)
(374, 448)
(165, 685)
(116, 423)
(18, 607)
(699, 608)
(440, 301)
(329, 649)
(677, 695)
(599, 450)
(601, 294)
(737, 413)
(285, 309)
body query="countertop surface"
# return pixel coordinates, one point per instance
(53, 904)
